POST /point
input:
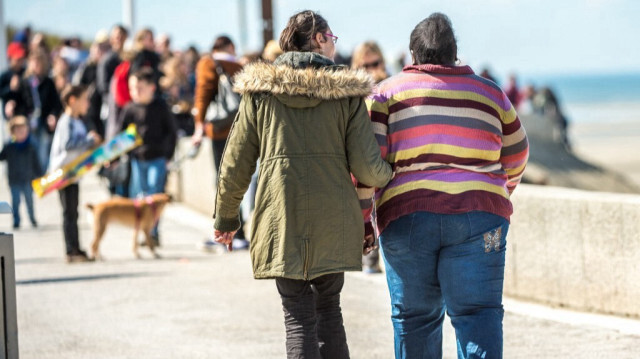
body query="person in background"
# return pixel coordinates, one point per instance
(486, 73)
(70, 140)
(224, 55)
(369, 57)
(157, 128)
(60, 73)
(512, 91)
(38, 42)
(309, 136)
(15, 95)
(86, 75)
(458, 152)
(108, 63)
(23, 166)
(163, 47)
(178, 92)
(46, 103)
(271, 51)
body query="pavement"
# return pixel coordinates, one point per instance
(196, 304)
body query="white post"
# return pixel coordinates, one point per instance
(128, 17)
(3, 66)
(242, 23)
(3, 39)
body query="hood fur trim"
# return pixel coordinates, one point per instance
(324, 83)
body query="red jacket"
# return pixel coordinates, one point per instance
(120, 84)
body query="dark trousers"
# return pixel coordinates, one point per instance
(313, 318)
(69, 200)
(218, 149)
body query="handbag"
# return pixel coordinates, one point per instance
(224, 107)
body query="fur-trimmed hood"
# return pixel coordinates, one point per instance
(303, 74)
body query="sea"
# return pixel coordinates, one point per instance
(595, 98)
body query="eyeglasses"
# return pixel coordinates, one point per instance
(333, 37)
(372, 65)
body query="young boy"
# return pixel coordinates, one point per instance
(158, 129)
(69, 141)
(21, 155)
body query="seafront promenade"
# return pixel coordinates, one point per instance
(195, 304)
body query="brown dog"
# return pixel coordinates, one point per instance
(141, 214)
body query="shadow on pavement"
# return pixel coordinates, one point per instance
(83, 278)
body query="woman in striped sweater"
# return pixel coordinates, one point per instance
(458, 151)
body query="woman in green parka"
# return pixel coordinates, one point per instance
(305, 119)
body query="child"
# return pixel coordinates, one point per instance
(21, 155)
(158, 129)
(69, 141)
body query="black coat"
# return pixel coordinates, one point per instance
(50, 103)
(22, 97)
(22, 162)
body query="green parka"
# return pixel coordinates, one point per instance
(306, 120)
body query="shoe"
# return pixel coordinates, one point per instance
(16, 226)
(372, 269)
(209, 245)
(79, 257)
(239, 244)
(34, 224)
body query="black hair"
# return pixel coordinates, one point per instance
(145, 74)
(300, 31)
(432, 41)
(222, 42)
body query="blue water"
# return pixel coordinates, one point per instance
(593, 88)
(595, 98)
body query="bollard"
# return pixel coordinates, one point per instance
(8, 312)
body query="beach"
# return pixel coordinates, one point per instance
(614, 146)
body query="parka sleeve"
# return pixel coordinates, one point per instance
(363, 153)
(238, 165)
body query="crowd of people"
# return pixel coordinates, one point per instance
(439, 148)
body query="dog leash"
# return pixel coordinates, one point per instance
(137, 205)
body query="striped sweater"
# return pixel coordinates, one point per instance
(453, 139)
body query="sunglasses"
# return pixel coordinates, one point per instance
(372, 65)
(332, 36)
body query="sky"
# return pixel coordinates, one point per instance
(528, 37)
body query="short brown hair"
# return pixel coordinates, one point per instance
(72, 91)
(300, 30)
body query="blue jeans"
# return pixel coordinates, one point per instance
(16, 191)
(148, 177)
(437, 261)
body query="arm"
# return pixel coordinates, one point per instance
(3, 153)
(238, 164)
(35, 162)
(515, 147)
(171, 128)
(75, 142)
(363, 153)
(379, 114)
(204, 93)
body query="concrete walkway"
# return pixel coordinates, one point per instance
(192, 304)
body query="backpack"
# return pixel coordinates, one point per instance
(224, 107)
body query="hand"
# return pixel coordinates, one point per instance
(368, 244)
(198, 131)
(225, 238)
(96, 137)
(14, 85)
(51, 122)
(9, 108)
